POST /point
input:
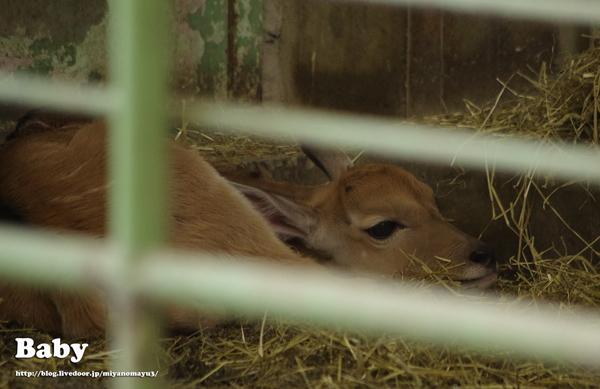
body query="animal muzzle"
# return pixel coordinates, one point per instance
(486, 257)
(483, 270)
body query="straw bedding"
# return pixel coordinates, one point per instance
(276, 354)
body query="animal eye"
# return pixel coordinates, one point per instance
(383, 230)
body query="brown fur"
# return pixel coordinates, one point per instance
(57, 179)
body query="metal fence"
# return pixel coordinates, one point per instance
(133, 262)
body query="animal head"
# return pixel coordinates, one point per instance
(374, 218)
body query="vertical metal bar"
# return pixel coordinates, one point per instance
(139, 61)
(140, 71)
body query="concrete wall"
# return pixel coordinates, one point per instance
(400, 62)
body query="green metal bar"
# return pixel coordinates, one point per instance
(138, 140)
(252, 287)
(37, 91)
(404, 140)
(138, 170)
(42, 258)
(578, 11)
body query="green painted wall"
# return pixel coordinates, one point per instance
(66, 40)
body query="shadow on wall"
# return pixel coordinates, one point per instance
(391, 61)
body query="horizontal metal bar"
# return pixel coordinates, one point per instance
(578, 11)
(405, 140)
(251, 288)
(298, 293)
(36, 92)
(42, 258)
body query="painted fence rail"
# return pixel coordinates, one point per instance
(136, 104)
(581, 11)
(406, 140)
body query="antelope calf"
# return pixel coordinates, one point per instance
(372, 219)
(367, 219)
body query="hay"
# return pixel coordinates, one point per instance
(220, 147)
(562, 107)
(308, 356)
(277, 354)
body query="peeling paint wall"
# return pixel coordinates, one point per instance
(209, 20)
(247, 41)
(63, 39)
(67, 40)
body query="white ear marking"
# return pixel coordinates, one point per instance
(287, 217)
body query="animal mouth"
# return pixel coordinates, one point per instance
(482, 282)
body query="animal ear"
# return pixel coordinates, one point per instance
(41, 119)
(288, 217)
(332, 162)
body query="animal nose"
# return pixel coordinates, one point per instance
(485, 256)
